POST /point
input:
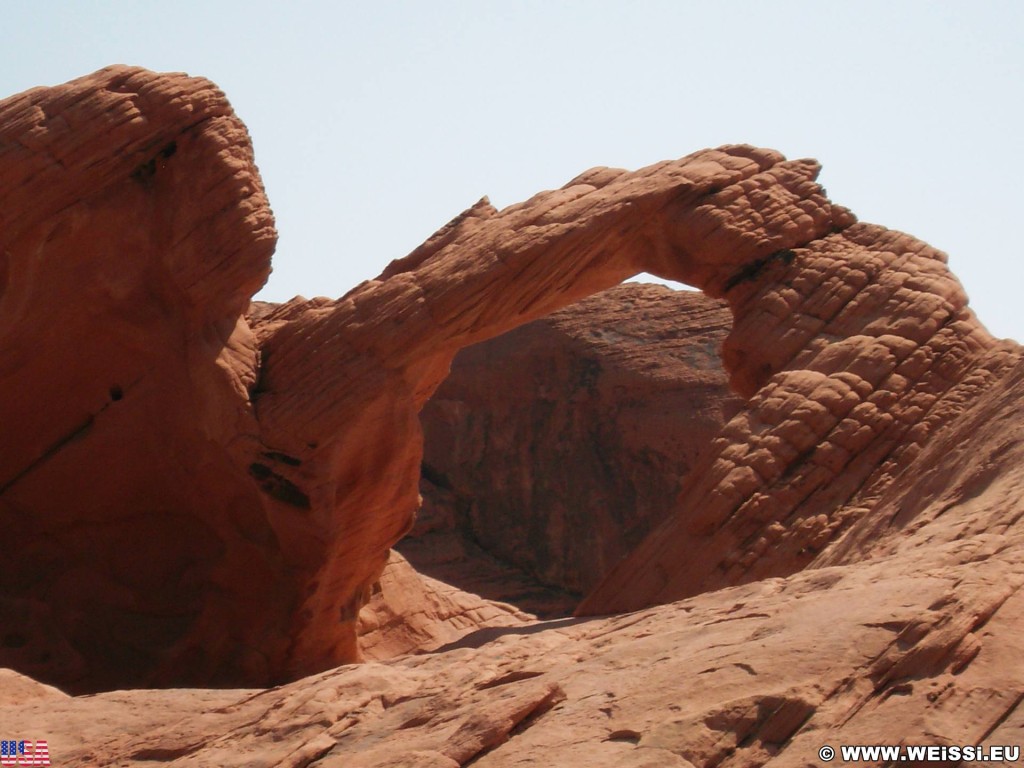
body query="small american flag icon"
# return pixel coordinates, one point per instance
(24, 752)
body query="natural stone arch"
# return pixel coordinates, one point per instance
(483, 274)
(289, 440)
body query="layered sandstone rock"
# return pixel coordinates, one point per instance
(883, 353)
(553, 449)
(917, 645)
(205, 496)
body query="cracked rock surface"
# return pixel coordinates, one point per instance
(909, 649)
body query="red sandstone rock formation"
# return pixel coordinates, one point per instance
(207, 497)
(133, 232)
(554, 448)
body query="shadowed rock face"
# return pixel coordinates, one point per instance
(919, 648)
(205, 497)
(550, 451)
(133, 231)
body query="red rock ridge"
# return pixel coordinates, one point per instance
(133, 232)
(411, 613)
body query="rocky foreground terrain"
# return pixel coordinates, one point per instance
(200, 495)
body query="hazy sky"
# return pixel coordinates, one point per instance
(376, 122)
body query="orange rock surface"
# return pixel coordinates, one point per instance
(205, 493)
(409, 613)
(921, 648)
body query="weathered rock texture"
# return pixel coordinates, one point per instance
(881, 352)
(207, 497)
(919, 648)
(133, 232)
(553, 449)
(409, 613)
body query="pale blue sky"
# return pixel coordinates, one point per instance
(376, 122)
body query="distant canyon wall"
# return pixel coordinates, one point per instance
(552, 450)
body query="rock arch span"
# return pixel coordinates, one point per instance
(222, 520)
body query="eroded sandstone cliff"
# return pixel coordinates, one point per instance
(206, 496)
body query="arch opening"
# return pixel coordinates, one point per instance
(552, 450)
